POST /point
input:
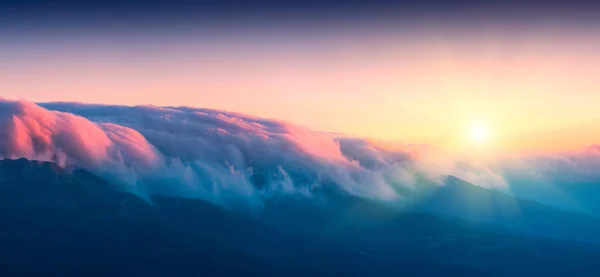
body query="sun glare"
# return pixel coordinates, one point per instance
(479, 134)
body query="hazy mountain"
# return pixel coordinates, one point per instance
(460, 199)
(71, 223)
(62, 223)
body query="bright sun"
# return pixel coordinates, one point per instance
(479, 134)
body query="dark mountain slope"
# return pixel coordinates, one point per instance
(380, 230)
(71, 223)
(59, 223)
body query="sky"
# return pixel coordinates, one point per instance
(425, 73)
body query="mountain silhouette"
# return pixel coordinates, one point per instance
(69, 222)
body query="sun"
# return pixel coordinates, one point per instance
(479, 134)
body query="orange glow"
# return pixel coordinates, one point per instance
(535, 93)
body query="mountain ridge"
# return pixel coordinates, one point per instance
(358, 238)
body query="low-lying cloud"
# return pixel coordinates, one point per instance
(227, 157)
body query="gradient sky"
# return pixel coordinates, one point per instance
(397, 71)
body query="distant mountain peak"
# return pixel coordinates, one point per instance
(31, 183)
(26, 163)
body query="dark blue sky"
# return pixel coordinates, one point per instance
(96, 11)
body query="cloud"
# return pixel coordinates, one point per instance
(34, 132)
(230, 158)
(214, 155)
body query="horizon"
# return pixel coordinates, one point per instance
(472, 152)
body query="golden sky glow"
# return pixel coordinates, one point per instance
(535, 91)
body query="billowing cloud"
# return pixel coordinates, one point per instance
(34, 132)
(227, 157)
(202, 153)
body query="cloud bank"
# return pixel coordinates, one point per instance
(230, 158)
(202, 153)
